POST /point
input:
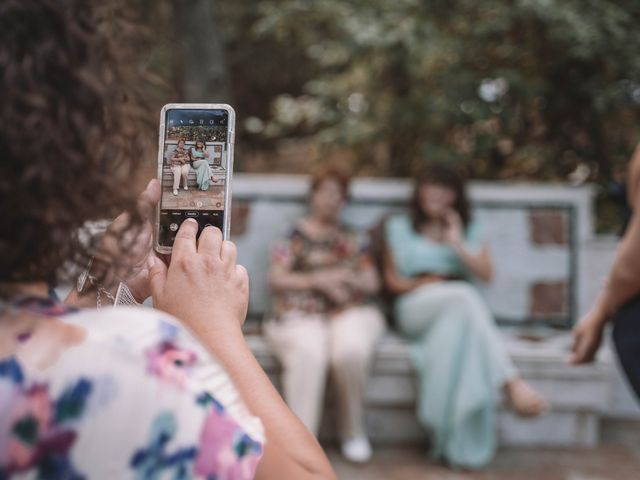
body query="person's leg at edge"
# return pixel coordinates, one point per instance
(301, 345)
(354, 334)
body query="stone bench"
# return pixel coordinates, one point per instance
(534, 233)
(577, 394)
(167, 178)
(216, 151)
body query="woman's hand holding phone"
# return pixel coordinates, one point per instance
(205, 289)
(203, 286)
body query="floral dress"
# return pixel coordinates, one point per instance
(138, 398)
(179, 158)
(297, 252)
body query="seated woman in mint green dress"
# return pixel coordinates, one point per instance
(432, 254)
(200, 163)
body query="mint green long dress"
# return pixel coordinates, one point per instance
(456, 348)
(202, 168)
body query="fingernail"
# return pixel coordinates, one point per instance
(149, 184)
(151, 261)
(191, 220)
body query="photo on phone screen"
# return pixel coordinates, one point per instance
(195, 164)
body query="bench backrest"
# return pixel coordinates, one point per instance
(533, 232)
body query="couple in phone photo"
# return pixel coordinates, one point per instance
(183, 160)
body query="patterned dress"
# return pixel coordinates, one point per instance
(297, 252)
(179, 157)
(138, 398)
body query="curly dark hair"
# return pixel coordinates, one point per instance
(445, 176)
(70, 130)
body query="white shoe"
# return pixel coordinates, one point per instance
(185, 187)
(357, 450)
(175, 191)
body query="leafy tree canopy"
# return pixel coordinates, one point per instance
(510, 88)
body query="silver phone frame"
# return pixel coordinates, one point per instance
(231, 138)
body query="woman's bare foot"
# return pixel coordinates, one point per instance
(523, 399)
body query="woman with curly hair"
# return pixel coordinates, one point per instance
(126, 392)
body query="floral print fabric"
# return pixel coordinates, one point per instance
(298, 252)
(138, 398)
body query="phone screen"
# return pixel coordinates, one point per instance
(195, 164)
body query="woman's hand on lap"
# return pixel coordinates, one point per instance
(333, 283)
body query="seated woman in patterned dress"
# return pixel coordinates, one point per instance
(180, 166)
(324, 318)
(126, 392)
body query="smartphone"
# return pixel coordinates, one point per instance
(195, 166)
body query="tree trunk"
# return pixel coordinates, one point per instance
(202, 73)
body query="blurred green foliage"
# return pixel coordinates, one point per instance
(192, 134)
(510, 88)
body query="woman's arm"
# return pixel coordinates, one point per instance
(184, 290)
(623, 282)
(587, 334)
(365, 280)
(330, 282)
(479, 264)
(398, 284)
(291, 451)
(280, 280)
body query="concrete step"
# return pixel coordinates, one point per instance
(578, 395)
